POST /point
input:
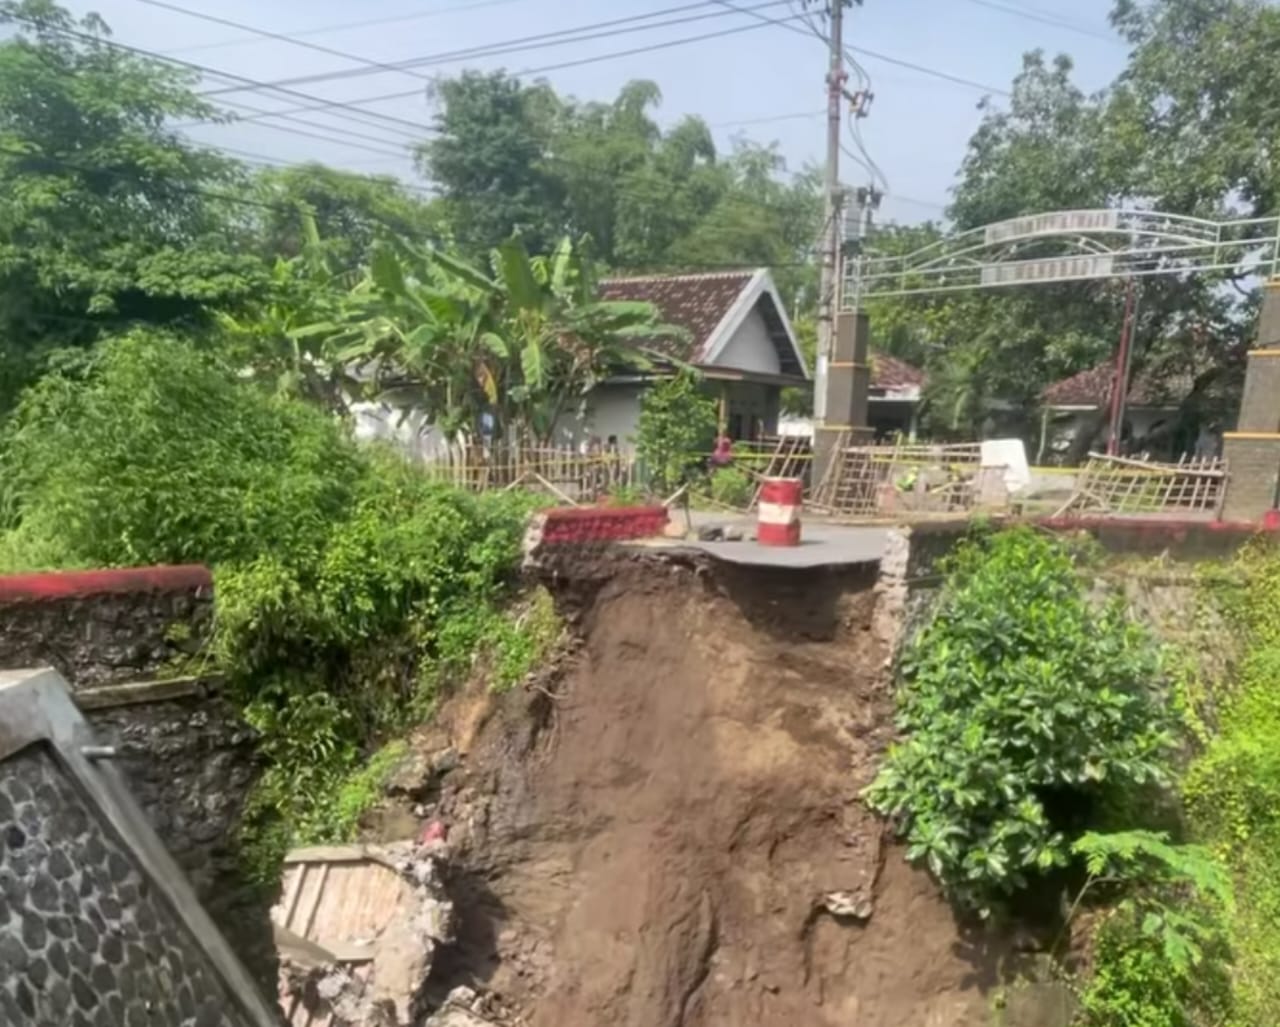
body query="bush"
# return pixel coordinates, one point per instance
(1020, 704)
(732, 486)
(152, 453)
(676, 431)
(1232, 789)
(348, 584)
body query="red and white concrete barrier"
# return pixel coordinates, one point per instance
(778, 513)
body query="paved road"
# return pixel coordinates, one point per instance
(822, 544)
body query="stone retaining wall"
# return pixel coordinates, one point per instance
(121, 640)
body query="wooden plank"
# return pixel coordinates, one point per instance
(329, 854)
(137, 693)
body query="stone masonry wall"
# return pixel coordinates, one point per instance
(83, 939)
(103, 627)
(189, 759)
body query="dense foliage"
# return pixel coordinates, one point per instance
(1021, 704)
(350, 587)
(1232, 789)
(675, 432)
(1162, 958)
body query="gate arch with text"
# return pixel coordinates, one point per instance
(1066, 246)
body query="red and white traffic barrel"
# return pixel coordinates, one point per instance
(778, 513)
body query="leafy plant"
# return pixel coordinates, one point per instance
(1232, 788)
(677, 425)
(1161, 956)
(514, 351)
(1020, 704)
(351, 588)
(732, 486)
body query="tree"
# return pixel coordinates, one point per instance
(677, 425)
(488, 160)
(515, 157)
(350, 212)
(106, 215)
(513, 351)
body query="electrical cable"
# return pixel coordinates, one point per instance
(580, 62)
(1032, 15)
(97, 40)
(562, 37)
(324, 30)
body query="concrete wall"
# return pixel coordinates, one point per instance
(751, 349)
(187, 756)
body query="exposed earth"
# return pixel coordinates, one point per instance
(668, 832)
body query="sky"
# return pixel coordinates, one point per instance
(764, 82)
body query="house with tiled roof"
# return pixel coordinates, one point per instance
(1151, 409)
(736, 334)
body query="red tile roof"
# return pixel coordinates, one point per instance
(1092, 388)
(697, 303)
(891, 373)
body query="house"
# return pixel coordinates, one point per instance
(893, 401)
(738, 337)
(1151, 412)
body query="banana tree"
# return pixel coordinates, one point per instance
(515, 348)
(564, 340)
(279, 340)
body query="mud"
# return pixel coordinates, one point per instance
(669, 833)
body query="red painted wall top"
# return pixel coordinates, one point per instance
(79, 584)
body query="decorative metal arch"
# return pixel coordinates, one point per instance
(1065, 246)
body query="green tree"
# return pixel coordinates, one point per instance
(107, 216)
(1021, 705)
(518, 349)
(351, 211)
(677, 427)
(488, 160)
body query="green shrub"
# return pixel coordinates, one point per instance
(676, 431)
(1232, 788)
(152, 453)
(351, 589)
(1021, 702)
(732, 486)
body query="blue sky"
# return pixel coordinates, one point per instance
(917, 131)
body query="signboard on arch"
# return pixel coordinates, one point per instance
(1063, 222)
(1051, 269)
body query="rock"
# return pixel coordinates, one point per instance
(848, 904)
(711, 533)
(734, 533)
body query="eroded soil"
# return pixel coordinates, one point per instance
(652, 839)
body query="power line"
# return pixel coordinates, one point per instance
(766, 119)
(922, 69)
(89, 37)
(612, 55)
(562, 37)
(1032, 15)
(471, 5)
(278, 36)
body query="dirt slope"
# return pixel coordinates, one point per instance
(655, 845)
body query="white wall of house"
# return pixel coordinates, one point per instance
(608, 410)
(751, 349)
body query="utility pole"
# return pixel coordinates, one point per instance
(832, 202)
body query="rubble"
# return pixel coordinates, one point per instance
(378, 983)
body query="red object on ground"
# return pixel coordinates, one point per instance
(80, 584)
(778, 513)
(588, 525)
(1271, 520)
(433, 831)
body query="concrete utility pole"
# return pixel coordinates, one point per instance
(842, 377)
(831, 227)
